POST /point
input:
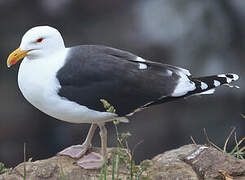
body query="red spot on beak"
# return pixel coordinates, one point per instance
(13, 61)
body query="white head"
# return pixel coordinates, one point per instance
(37, 42)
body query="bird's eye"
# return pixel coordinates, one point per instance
(39, 40)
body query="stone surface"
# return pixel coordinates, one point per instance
(191, 162)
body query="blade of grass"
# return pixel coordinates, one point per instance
(227, 139)
(101, 174)
(113, 166)
(105, 169)
(136, 145)
(118, 162)
(238, 144)
(210, 142)
(193, 141)
(131, 169)
(235, 137)
(243, 116)
(24, 178)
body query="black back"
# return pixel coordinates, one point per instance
(94, 72)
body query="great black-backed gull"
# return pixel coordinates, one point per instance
(69, 83)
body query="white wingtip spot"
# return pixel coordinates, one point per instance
(221, 75)
(235, 77)
(139, 59)
(216, 83)
(142, 66)
(204, 86)
(228, 79)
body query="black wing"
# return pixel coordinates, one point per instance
(95, 72)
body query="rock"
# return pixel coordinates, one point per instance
(197, 162)
(190, 162)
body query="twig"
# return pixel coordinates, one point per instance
(24, 161)
(136, 145)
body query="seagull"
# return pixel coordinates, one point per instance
(69, 84)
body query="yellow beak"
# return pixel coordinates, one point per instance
(15, 56)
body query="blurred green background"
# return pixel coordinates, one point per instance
(206, 37)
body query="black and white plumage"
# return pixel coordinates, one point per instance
(125, 80)
(68, 83)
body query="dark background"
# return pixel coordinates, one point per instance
(206, 37)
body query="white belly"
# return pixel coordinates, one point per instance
(37, 82)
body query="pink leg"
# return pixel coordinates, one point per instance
(94, 160)
(76, 151)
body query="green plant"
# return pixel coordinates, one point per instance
(3, 169)
(237, 151)
(122, 154)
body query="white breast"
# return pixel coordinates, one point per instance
(39, 85)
